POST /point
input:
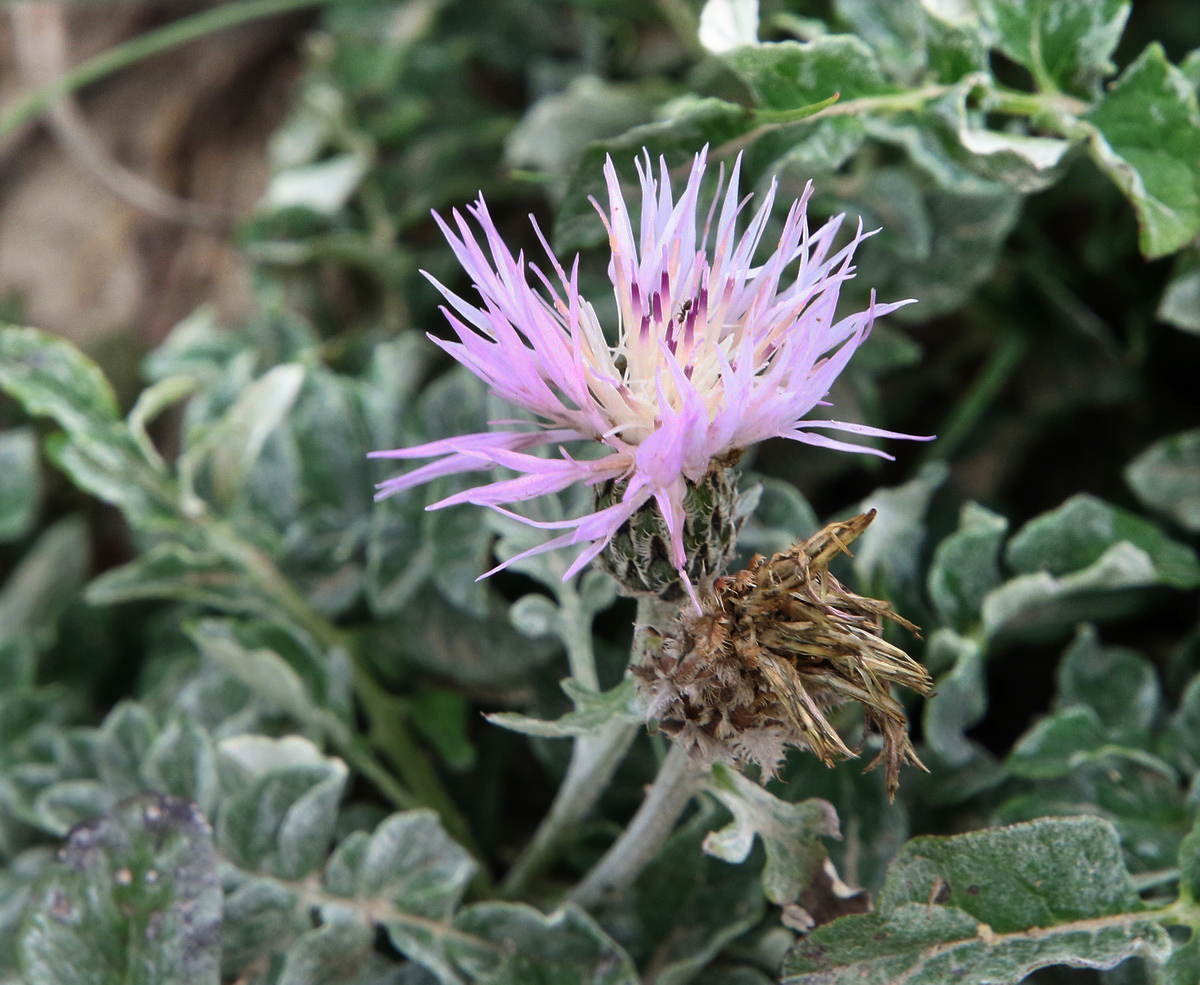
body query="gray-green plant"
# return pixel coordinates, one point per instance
(280, 734)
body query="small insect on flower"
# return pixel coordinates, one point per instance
(719, 344)
(775, 646)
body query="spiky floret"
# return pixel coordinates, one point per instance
(772, 649)
(717, 347)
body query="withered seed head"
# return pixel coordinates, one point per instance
(774, 647)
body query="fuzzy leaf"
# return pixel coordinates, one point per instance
(966, 566)
(1180, 303)
(1057, 744)
(790, 75)
(1147, 139)
(886, 555)
(1078, 533)
(990, 906)
(174, 571)
(959, 698)
(281, 818)
(1069, 43)
(693, 124)
(134, 899)
(592, 711)
(45, 579)
(182, 761)
(237, 439)
(790, 833)
(20, 483)
(333, 953)
(1166, 477)
(684, 908)
(49, 377)
(125, 737)
(1119, 684)
(517, 945)
(410, 862)
(1180, 742)
(105, 460)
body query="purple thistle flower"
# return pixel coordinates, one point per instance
(713, 353)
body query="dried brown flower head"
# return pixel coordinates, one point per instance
(775, 646)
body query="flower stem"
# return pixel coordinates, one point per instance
(595, 757)
(677, 781)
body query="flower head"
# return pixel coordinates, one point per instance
(715, 349)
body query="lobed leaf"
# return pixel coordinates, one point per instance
(522, 946)
(20, 483)
(133, 898)
(1063, 43)
(991, 906)
(1166, 477)
(1147, 140)
(789, 832)
(50, 377)
(1077, 534)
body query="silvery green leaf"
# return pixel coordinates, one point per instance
(789, 832)
(728, 24)
(105, 460)
(685, 908)
(1118, 683)
(1078, 533)
(1067, 43)
(556, 130)
(1180, 741)
(959, 698)
(410, 862)
(992, 906)
(276, 662)
(1147, 140)
(50, 377)
(196, 347)
(234, 443)
(124, 739)
(324, 187)
(150, 403)
(50, 573)
(535, 615)
(592, 711)
(182, 761)
(20, 483)
(1180, 302)
(259, 916)
(1166, 477)
(280, 813)
(514, 944)
(332, 952)
(133, 898)
(1041, 605)
(966, 566)
(887, 554)
(790, 75)
(61, 806)
(171, 570)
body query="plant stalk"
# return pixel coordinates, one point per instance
(677, 782)
(595, 757)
